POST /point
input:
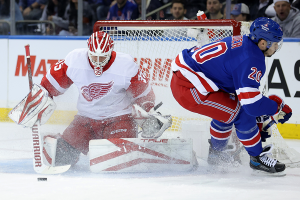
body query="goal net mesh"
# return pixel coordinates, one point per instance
(153, 49)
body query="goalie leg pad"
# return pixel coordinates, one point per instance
(57, 152)
(49, 150)
(141, 155)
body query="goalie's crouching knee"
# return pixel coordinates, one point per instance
(58, 152)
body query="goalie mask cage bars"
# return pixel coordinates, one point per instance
(154, 44)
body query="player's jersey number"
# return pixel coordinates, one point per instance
(209, 52)
(58, 65)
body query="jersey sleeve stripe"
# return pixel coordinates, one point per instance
(146, 91)
(59, 73)
(246, 89)
(248, 95)
(199, 80)
(55, 83)
(146, 102)
(49, 87)
(207, 83)
(251, 101)
(139, 84)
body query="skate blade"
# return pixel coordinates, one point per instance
(263, 173)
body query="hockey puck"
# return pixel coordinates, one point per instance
(42, 179)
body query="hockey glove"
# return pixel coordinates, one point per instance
(36, 106)
(264, 124)
(284, 111)
(152, 123)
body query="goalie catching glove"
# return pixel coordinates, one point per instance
(36, 106)
(152, 123)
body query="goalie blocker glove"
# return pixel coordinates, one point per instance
(152, 123)
(36, 106)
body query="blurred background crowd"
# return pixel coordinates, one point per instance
(60, 17)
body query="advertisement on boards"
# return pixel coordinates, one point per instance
(283, 71)
(284, 77)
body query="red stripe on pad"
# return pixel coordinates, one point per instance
(48, 158)
(130, 147)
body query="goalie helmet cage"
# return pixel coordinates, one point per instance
(154, 44)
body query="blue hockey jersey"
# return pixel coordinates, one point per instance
(125, 13)
(234, 65)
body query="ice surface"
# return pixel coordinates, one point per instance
(19, 181)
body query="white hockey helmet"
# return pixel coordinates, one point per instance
(100, 46)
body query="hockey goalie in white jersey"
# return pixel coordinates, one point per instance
(112, 89)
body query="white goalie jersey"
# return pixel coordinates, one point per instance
(100, 97)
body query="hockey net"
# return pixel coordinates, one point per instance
(154, 44)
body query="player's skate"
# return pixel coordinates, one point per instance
(222, 157)
(263, 164)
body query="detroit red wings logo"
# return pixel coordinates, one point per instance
(96, 90)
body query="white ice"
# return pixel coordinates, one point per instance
(19, 181)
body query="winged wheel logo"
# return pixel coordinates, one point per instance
(96, 90)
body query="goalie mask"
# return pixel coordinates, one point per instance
(100, 47)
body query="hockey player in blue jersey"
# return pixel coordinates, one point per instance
(221, 80)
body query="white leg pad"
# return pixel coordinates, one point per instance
(49, 151)
(44, 150)
(141, 155)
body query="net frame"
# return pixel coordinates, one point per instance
(280, 151)
(236, 26)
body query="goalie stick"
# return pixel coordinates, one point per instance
(38, 150)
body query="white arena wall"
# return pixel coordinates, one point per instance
(283, 79)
